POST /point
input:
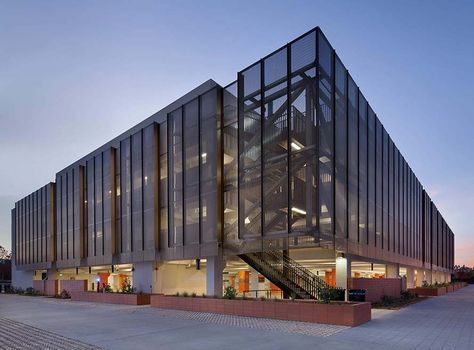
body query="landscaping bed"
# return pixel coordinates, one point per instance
(406, 299)
(435, 290)
(111, 298)
(428, 291)
(337, 313)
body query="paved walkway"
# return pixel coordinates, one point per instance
(445, 322)
(19, 336)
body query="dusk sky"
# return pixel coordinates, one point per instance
(75, 74)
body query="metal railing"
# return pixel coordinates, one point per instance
(263, 293)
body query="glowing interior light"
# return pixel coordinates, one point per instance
(299, 211)
(247, 220)
(295, 146)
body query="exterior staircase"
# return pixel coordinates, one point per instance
(292, 278)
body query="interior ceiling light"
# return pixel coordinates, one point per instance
(295, 146)
(324, 159)
(299, 211)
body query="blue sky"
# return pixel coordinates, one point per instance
(74, 74)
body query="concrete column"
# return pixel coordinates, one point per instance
(419, 277)
(410, 277)
(21, 279)
(392, 270)
(214, 269)
(52, 274)
(428, 276)
(343, 272)
(444, 277)
(253, 280)
(145, 277)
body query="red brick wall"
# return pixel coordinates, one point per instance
(377, 287)
(112, 298)
(51, 287)
(38, 285)
(73, 285)
(47, 287)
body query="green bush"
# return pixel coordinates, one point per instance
(64, 294)
(326, 295)
(230, 292)
(405, 295)
(31, 292)
(9, 289)
(387, 300)
(127, 287)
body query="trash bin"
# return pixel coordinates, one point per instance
(357, 294)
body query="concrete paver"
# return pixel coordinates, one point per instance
(19, 336)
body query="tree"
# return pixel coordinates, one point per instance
(5, 254)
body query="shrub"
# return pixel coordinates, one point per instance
(9, 289)
(105, 288)
(204, 295)
(64, 294)
(405, 295)
(326, 295)
(193, 295)
(185, 294)
(230, 292)
(127, 287)
(31, 292)
(387, 300)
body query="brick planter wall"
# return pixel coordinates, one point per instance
(378, 287)
(38, 285)
(428, 292)
(47, 287)
(345, 314)
(73, 285)
(111, 298)
(449, 289)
